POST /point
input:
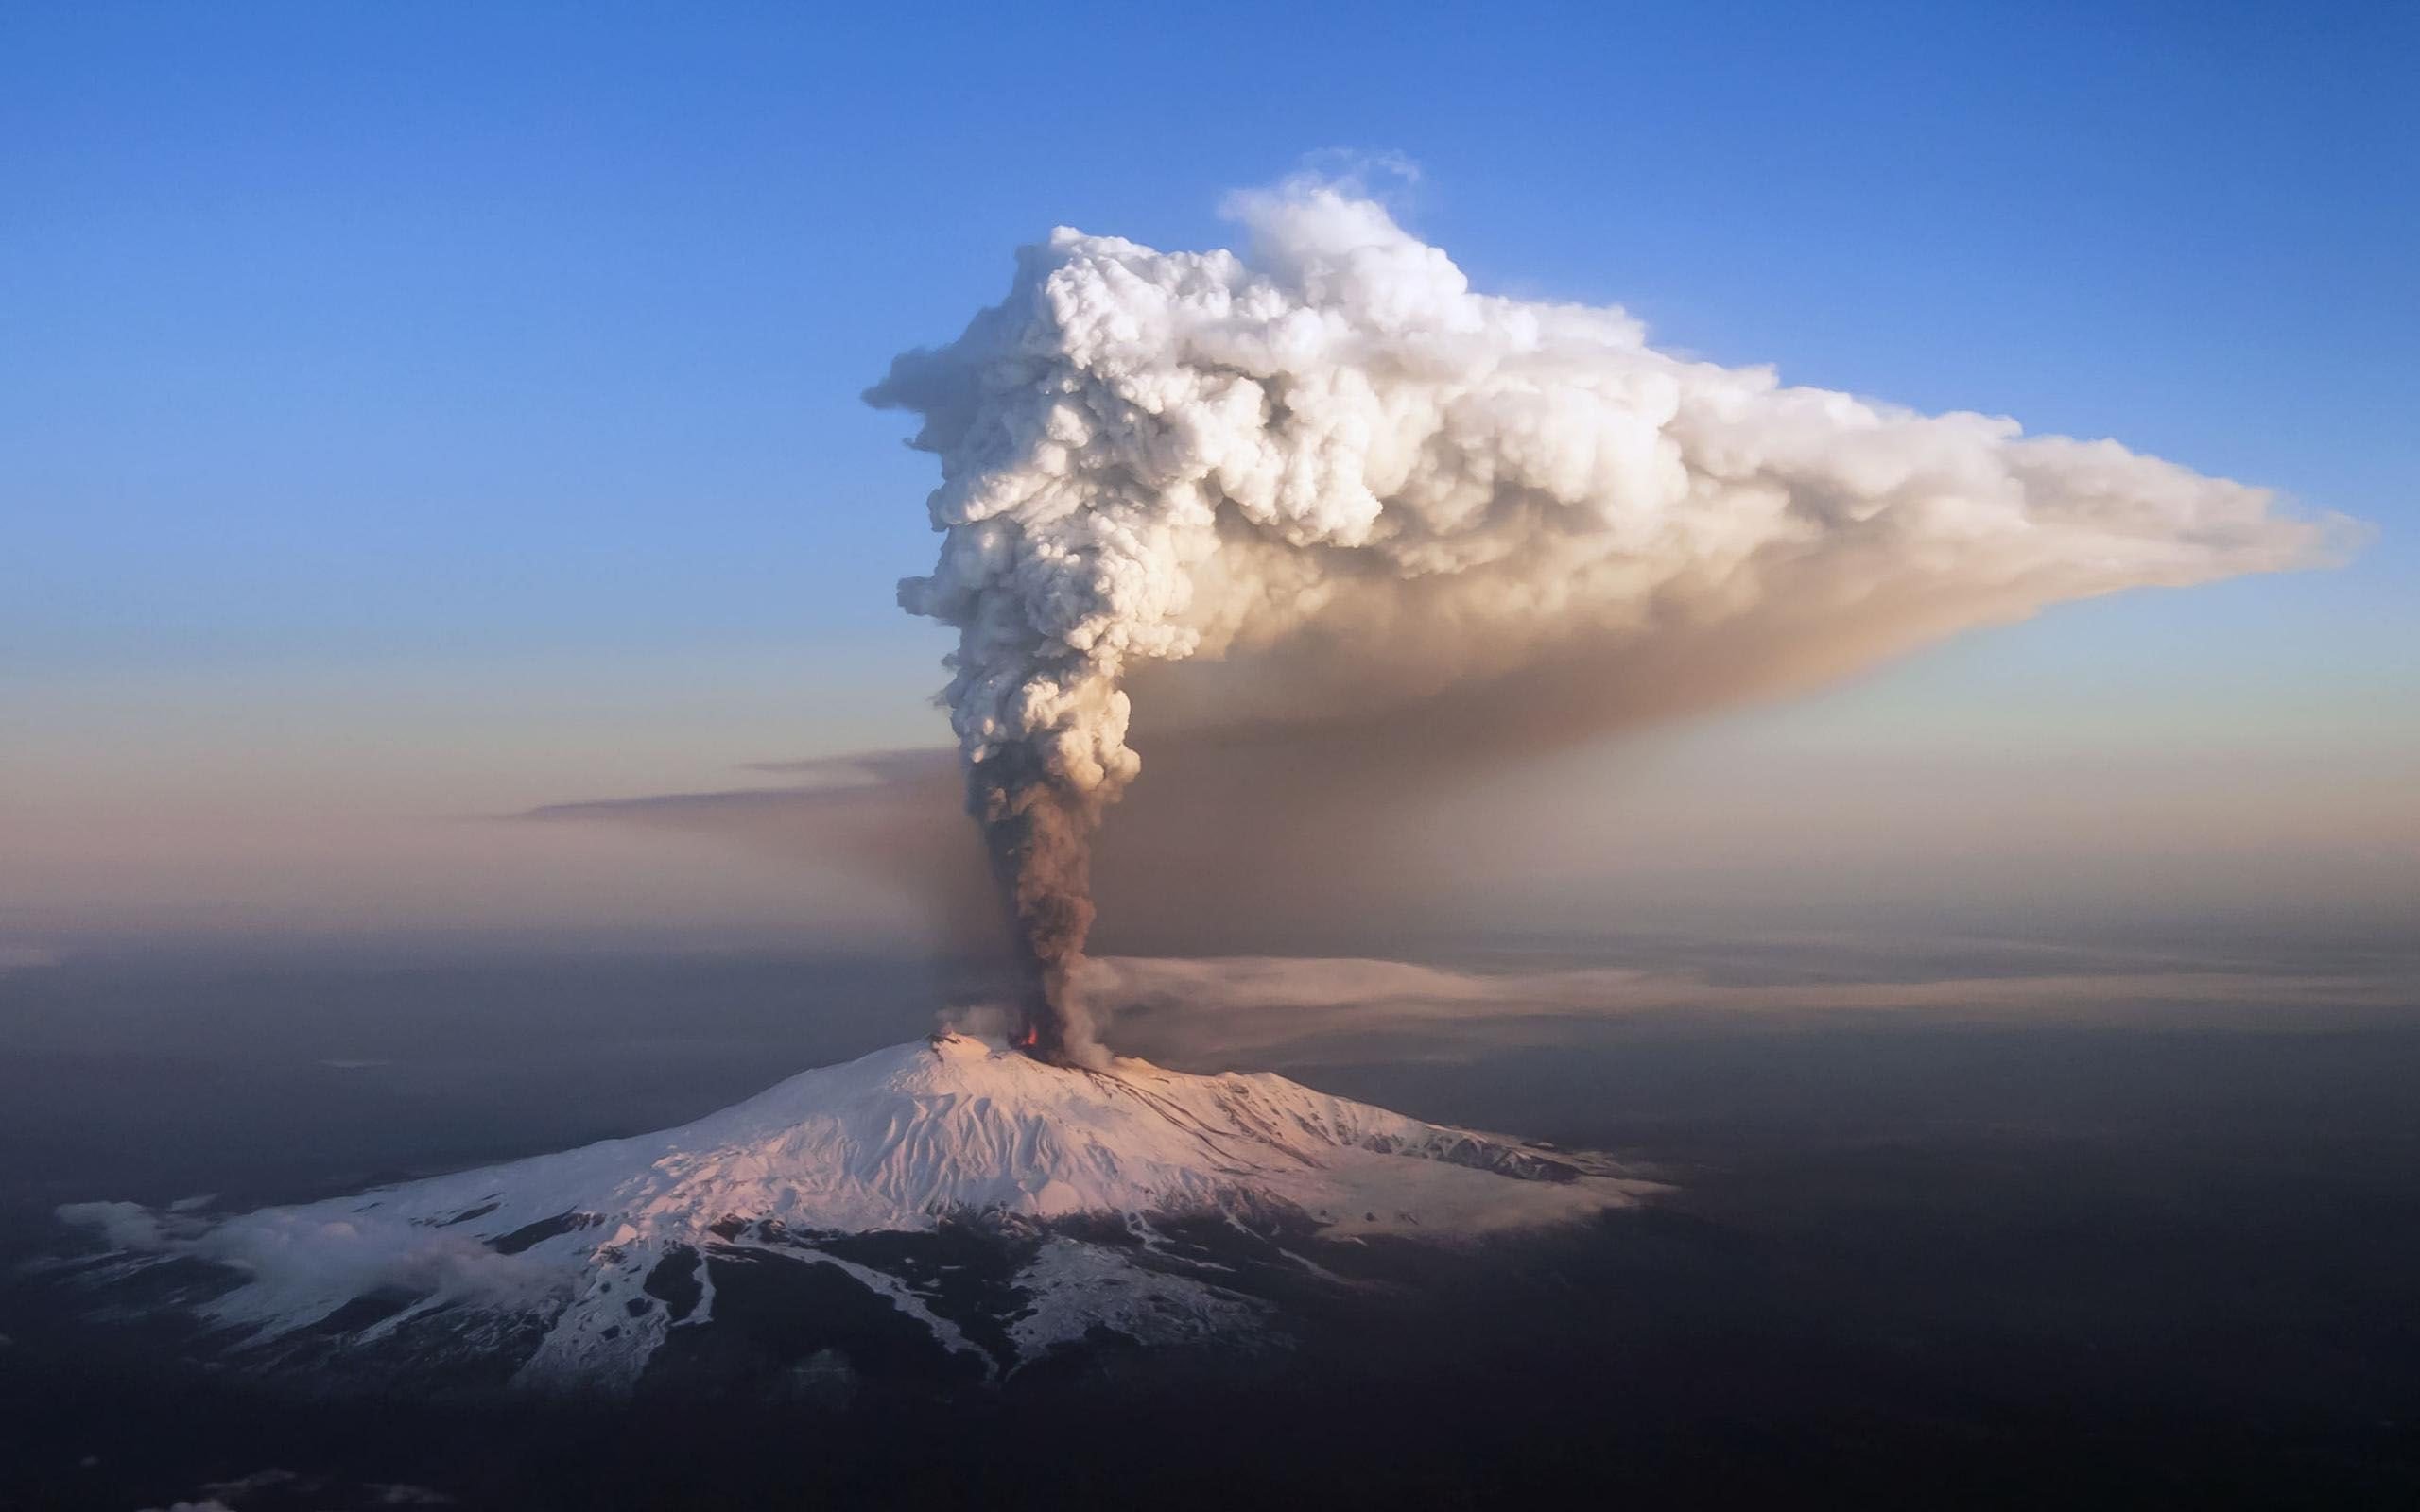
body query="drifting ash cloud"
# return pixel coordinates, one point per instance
(1264, 1009)
(1325, 488)
(24, 957)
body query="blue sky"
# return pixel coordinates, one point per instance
(475, 387)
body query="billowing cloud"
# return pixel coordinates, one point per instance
(1324, 487)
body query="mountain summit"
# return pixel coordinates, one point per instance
(998, 1206)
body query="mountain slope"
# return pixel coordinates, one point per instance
(1072, 1177)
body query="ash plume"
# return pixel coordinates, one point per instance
(1038, 824)
(1323, 485)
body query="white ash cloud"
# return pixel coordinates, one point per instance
(296, 1260)
(1338, 484)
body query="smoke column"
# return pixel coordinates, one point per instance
(1332, 460)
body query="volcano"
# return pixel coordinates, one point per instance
(953, 1199)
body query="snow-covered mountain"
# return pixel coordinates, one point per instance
(998, 1206)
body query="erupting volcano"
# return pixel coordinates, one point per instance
(1426, 524)
(998, 1209)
